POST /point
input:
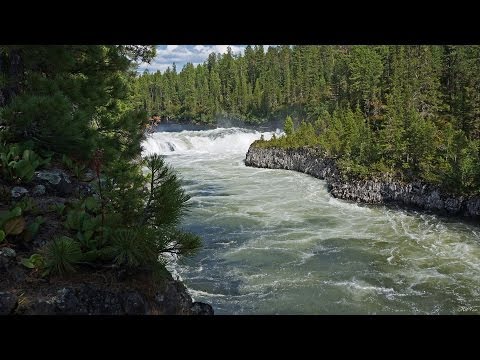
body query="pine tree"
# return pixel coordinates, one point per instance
(387, 108)
(288, 127)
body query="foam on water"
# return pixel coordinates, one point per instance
(275, 241)
(219, 141)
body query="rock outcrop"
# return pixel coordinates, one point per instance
(87, 299)
(18, 295)
(378, 191)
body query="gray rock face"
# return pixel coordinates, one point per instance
(54, 177)
(55, 181)
(134, 304)
(39, 190)
(8, 303)
(174, 300)
(18, 192)
(4, 263)
(90, 300)
(7, 259)
(8, 252)
(379, 191)
(199, 308)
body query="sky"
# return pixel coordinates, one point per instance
(181, 54)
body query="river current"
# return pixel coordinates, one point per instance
(276, 242)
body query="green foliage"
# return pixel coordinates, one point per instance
(59, 208)
(61, 255)
(469, 166)
(125, 190)
(12, 222)
(152, 214)
(35, 261)
(131, 247)
(19, 163)
(75, 99)
(78, 104)
(404, 110)
(353, 170)
(32, 228)
(179, 242)
(14, 226)
(77, 168)
(167, 200)
(288, 127)
(379, 107)
(10, 214)
(27, 204)
(86, 221)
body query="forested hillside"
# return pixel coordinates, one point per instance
(408, 110)
(70, 160)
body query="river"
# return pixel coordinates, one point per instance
(276, 242)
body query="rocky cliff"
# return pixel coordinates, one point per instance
(100, 290)
(379, 191)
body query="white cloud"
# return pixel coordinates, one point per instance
(223, 48)
(202, 48)
(181, 54)
(220, 48)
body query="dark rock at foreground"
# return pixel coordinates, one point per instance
(377, 191)
(199, 308)
(87, 299)
(8, 303)
(92, 295)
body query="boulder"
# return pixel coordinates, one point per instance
(18, 192)
(7, 258)
(134, 304)
(8, 303)
(7, 252)
(89, 300)
(174, 299)
(199, 308)
(38, 190)
(55, 181)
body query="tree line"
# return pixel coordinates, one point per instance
(408, 110)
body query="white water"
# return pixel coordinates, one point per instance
(275, 241)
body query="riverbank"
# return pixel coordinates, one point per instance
(378, 191)
(94, 288)
(108, 291)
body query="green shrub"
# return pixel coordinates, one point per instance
(35, 261)
(77, 168)
(167, 201)
(59, 209)
(12, 222)
(288, 127)
(88, 225)
(178, 242)
(61, 255)
(19, 163)
(130, 247)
